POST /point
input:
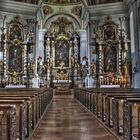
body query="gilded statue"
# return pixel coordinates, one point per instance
(62, 64)
(31, 67)
(62, 76)
(84, 66)
(93, 67)
(15, 78)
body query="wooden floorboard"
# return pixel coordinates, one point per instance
(66, 119)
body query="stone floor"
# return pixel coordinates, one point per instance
(66, 119)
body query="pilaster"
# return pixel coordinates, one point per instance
(83, 43)
(40, 46)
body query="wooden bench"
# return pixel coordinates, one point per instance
(36, 103)
(29, 115)
(117, 111)
(107, 105)
(21, 118)
(7, 122)
(131, 120)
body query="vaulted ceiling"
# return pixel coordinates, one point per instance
(89, 2)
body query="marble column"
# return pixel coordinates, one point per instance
(40, 46)
(39, 53)
(135, 56)
(83, 43)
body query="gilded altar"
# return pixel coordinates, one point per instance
(62, 80)
(61, 75)
(113, 64)
(61, 52)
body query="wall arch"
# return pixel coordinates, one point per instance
(50, 19)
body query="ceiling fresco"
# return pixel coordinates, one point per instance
(62, 2)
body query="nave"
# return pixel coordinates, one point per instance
(67, 119)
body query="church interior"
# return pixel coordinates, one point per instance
(69, 69)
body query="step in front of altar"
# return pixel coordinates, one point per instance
(62, 92)
(62, 87)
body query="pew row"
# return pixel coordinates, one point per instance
(7, 122)
(108, 106)
(36, 102)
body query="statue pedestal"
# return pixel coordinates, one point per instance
(90, 82)
(36, 82)
(135, 80)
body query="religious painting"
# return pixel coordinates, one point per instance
(109, 33)
(47, 10)
(77, 11)
(62, 53)
(62, 1)
(110, 59)
(109, 30)
(15, 31)
(62, 28)
(15, 59)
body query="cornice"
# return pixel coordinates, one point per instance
(18, 7)
(129, 2)
(108, 9)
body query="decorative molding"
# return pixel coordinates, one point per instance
(129, 2)
(18, 7)
(77, 10)
(62, 2)
(47, 10)
(107, 9)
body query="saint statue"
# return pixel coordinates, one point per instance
(62, 64)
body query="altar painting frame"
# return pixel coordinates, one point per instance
(66, 42)
(116, 51)
(15, 59)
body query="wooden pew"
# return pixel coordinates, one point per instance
(36, 94)
(131, 120)
(90, 97)
(117, 111)
(34, 100)
(102, 93)
(34, 112)
(43, 97)
(7, 122)
(85, 96)
(107, 102)
(109, 105)
(21, 119)
(39, 100)
(101, 99)
(29, 116)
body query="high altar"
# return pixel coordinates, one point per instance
(61, 53)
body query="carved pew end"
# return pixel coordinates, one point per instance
(135, 136)
(120, 130)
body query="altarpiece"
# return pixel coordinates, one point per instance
(61, 50)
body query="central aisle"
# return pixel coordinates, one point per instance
(66, 119)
